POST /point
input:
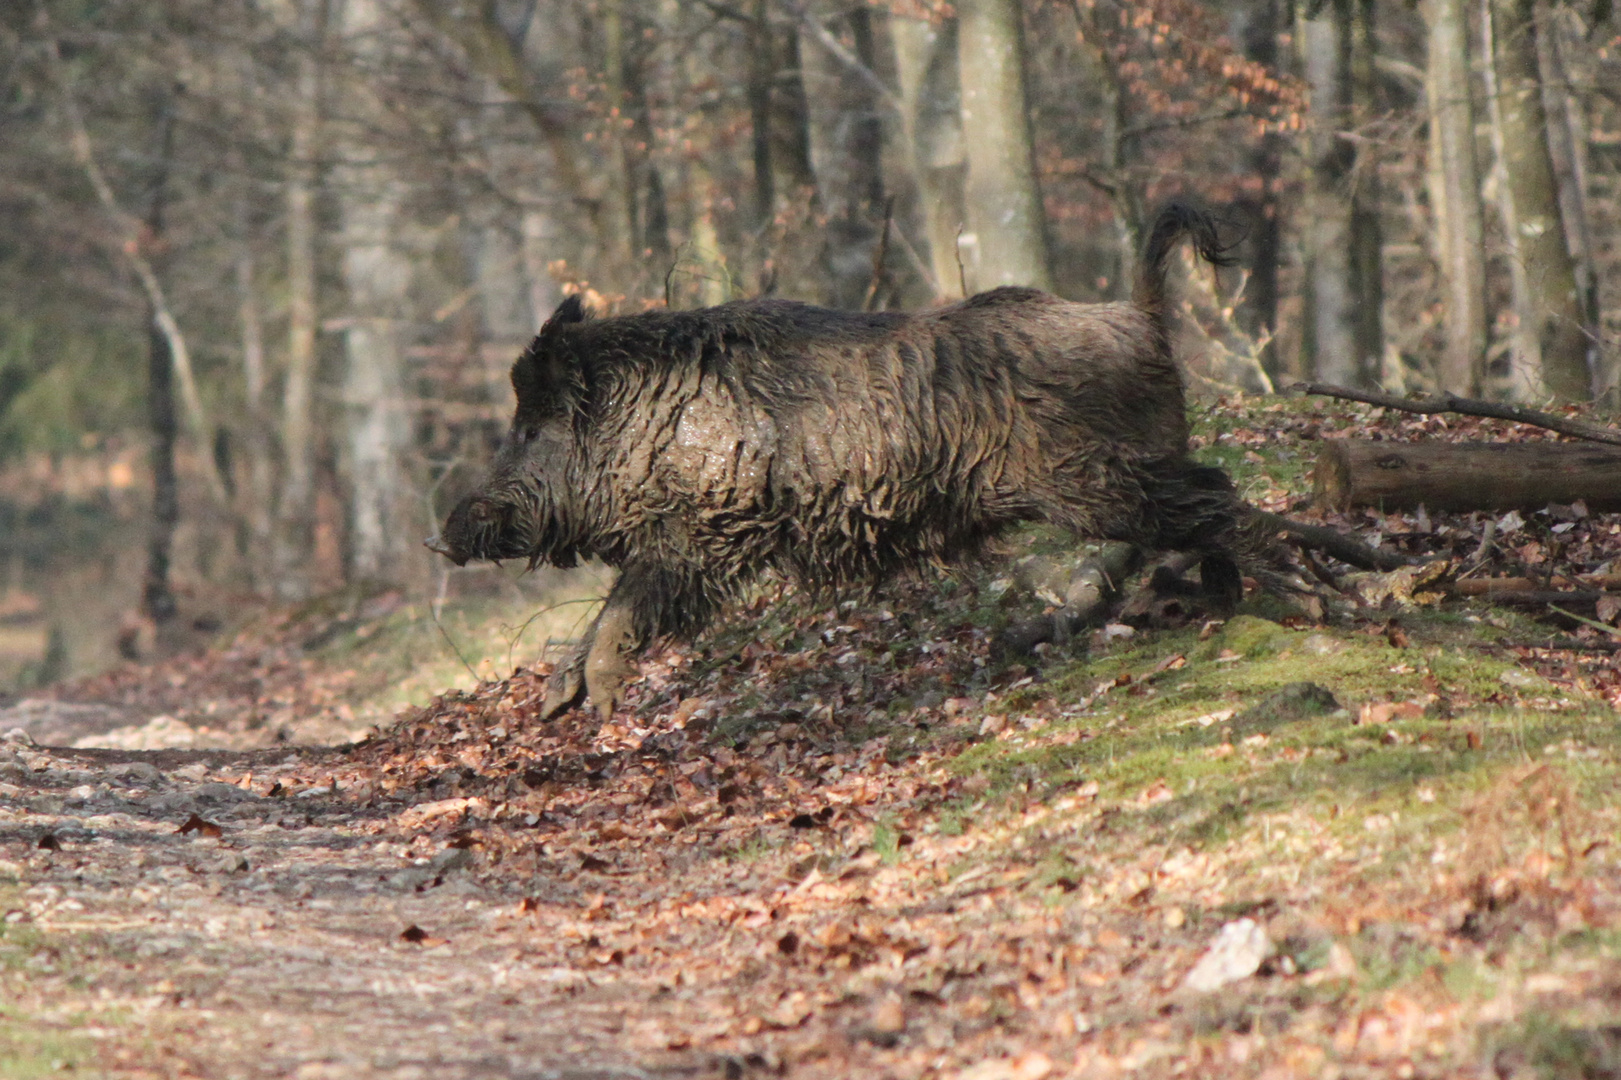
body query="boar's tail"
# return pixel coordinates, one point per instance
(1176, 219)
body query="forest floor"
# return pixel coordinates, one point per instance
(848, 842)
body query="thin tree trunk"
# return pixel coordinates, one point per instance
(620, 180)
(1567, 142)
(377, 276)
(762, 77)
(1263, 209)
(1112, 173)
(294, 538)
(157, 594)
(926, 62)
(256, 514)
(1004, 200)
(1367, 232)
(1455, 194)
(1551, 356)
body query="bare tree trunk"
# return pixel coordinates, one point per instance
(377, 275)
(1551, 349)
(762, 77)
(1264, 211)
(846, 152)
(621, 193)
(1455, 195)
(1004, 200)
(1367, 232)
(1567, 142)
(294, 538)
(255, 509)
(1340, 234)
(157, 594)
(926, 61)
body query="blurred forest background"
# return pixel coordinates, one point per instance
(264, 263)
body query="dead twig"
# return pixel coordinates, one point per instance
(962, 273)
(880, 255)
(1452, 403)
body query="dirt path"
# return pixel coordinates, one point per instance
(273, 949)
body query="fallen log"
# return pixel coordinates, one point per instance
(1465, 476)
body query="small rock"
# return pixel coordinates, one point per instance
(1519, 680)
(411, 878)
(232, 862)
(218, 792)
(453, 858)
(1322, 645)
(17, 737)
(1237, 953)
(137, 772)
(889, 1016)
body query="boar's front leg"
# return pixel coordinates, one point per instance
(648, 601)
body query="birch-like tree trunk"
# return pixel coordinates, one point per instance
(1550, 354)
(1005, 213)
(377, 277)
(926, 62)
(294, 535)
(1455, 198)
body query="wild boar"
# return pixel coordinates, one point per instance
(695, 449)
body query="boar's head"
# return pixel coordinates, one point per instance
(528, 506)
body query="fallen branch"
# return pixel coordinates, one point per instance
(1557, 644)
(1332, 542)
(1452, 403)
(1488, 586)
(1543, 597)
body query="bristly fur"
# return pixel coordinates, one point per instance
(696, 449)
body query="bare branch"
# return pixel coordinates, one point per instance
(1452, 403)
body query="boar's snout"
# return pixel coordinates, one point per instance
(475, 529)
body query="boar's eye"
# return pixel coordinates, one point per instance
(528, 434)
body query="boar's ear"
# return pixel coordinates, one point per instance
(545, 375)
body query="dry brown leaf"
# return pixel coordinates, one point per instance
(1383, 712)
(201, 827)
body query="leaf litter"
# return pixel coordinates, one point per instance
(847, 841)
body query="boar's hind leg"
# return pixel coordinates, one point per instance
(646, 602)
(1172, 504)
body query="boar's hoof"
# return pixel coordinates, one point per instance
(607, 666)
(565, 688)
